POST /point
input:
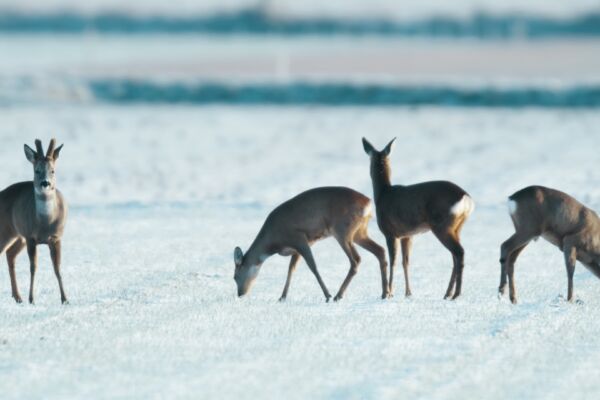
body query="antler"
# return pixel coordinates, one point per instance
(39, 148)
(50, 152)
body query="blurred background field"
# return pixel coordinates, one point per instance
(474, 53)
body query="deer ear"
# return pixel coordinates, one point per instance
(30, 154)
(369, 149)
(57, 152)
(388, 149)
(238, 256)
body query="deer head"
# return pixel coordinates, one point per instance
(44, 179)
(380, 164)
(245, 271)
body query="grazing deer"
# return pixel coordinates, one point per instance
(33, 213)
(404, 211)
(292, 227)
(560, 219)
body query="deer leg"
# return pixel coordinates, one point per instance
(406, 244)
(392, 245)
(460, 256)
(459, 226)
(306, 253)
(515, 242)
(55, 254)
(293, 262)
(512, 259)
(32, 253)
(354, 259)
(569, 247)
(570, 258)
(368, 244)
(11, 255)
(450, 242)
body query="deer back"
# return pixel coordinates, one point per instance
(548, 211)
(316, 212)
(416, 207)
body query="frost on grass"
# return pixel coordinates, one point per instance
(160, 197)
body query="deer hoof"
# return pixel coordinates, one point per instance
(337, 298)
(18, 299)
(65, 302)
(513, 299)
(282, 299)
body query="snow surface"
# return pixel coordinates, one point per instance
(160, 196)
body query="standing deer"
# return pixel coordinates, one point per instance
(292, 227)
(404, 211)
(33, 213)
(561, 220)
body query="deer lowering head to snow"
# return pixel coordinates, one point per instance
(560, 219)
(291, 228)
(404, 211)
(33, 213)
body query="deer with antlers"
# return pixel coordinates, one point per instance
(33, 213)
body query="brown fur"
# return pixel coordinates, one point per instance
(561, 220)
(291, 228)
(403, 211)
(24, 225)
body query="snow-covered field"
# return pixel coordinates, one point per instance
(161, 195)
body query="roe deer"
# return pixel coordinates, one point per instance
(292, 227)
(560, 219)
(33, 213)
(404, 211)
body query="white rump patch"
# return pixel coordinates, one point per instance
(465, 206)
(512, 207)
(368, 211)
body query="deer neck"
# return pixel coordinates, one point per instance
(259, 251)
(46, 206)
(381, 178)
